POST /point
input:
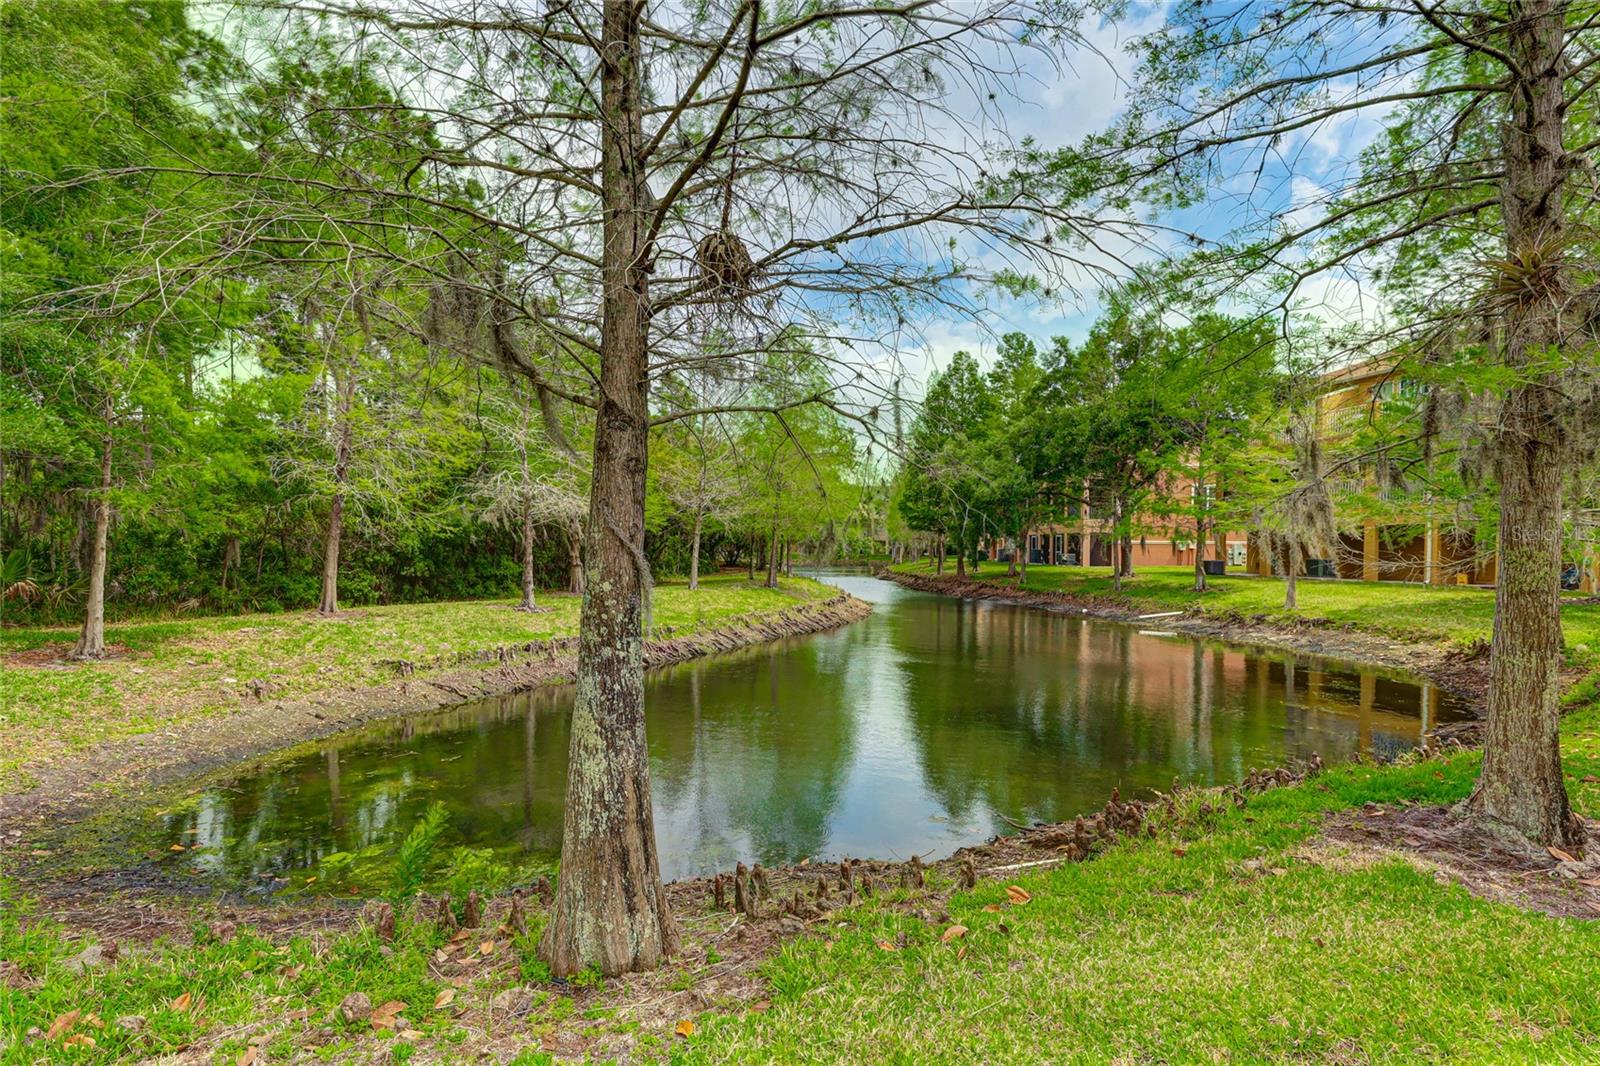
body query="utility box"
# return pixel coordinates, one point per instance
(1214, 567)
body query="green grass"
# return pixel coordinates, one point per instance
(247, 985)
(1421, 613)
(177, 671)
(1252, 945)
(1249, 946)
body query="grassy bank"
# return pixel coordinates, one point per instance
(1421, 613)
(1243, 938)
(1251, 941)
(167, 673)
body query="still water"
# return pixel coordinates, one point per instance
(924, 727)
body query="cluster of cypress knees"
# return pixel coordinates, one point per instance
(1076, 840)
(380, 915)
(750, 887)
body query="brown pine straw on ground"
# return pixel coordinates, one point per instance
(1453, 848)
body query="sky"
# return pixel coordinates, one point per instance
(1062, 103)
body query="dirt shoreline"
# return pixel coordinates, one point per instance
(1466, 676)
(88, 781)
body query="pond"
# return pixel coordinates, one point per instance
(932, 724)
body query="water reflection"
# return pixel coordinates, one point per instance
(927, 726)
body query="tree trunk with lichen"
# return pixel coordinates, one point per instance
(1520, 785)
(610, 910)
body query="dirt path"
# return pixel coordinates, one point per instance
(101, 775)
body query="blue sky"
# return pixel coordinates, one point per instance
(1085, 92)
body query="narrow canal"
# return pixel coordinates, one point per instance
(923, 728)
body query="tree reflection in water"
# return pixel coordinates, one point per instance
(927, 726)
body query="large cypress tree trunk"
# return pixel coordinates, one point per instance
(1200, 553)
(610, 910)
(1521, 784)
(92, 640)
(772, 559)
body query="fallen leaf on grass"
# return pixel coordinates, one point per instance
(486, 948)
(248, 1056)
(62, 1023)
(955, 932)
(444, 998)
(761, 1005)
(1180, 852)
(684, 1028)
(182, 1002)
(411, 1034)
(961, 952)
(888, 945)
(1017, 894)
(383, 1017)
(79, 1040)
(461, 934)
(298, 1015)
(176, 847)
(993, 908)
(1564, 856)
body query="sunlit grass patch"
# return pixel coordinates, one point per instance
(1226, 946)
(176, 671)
